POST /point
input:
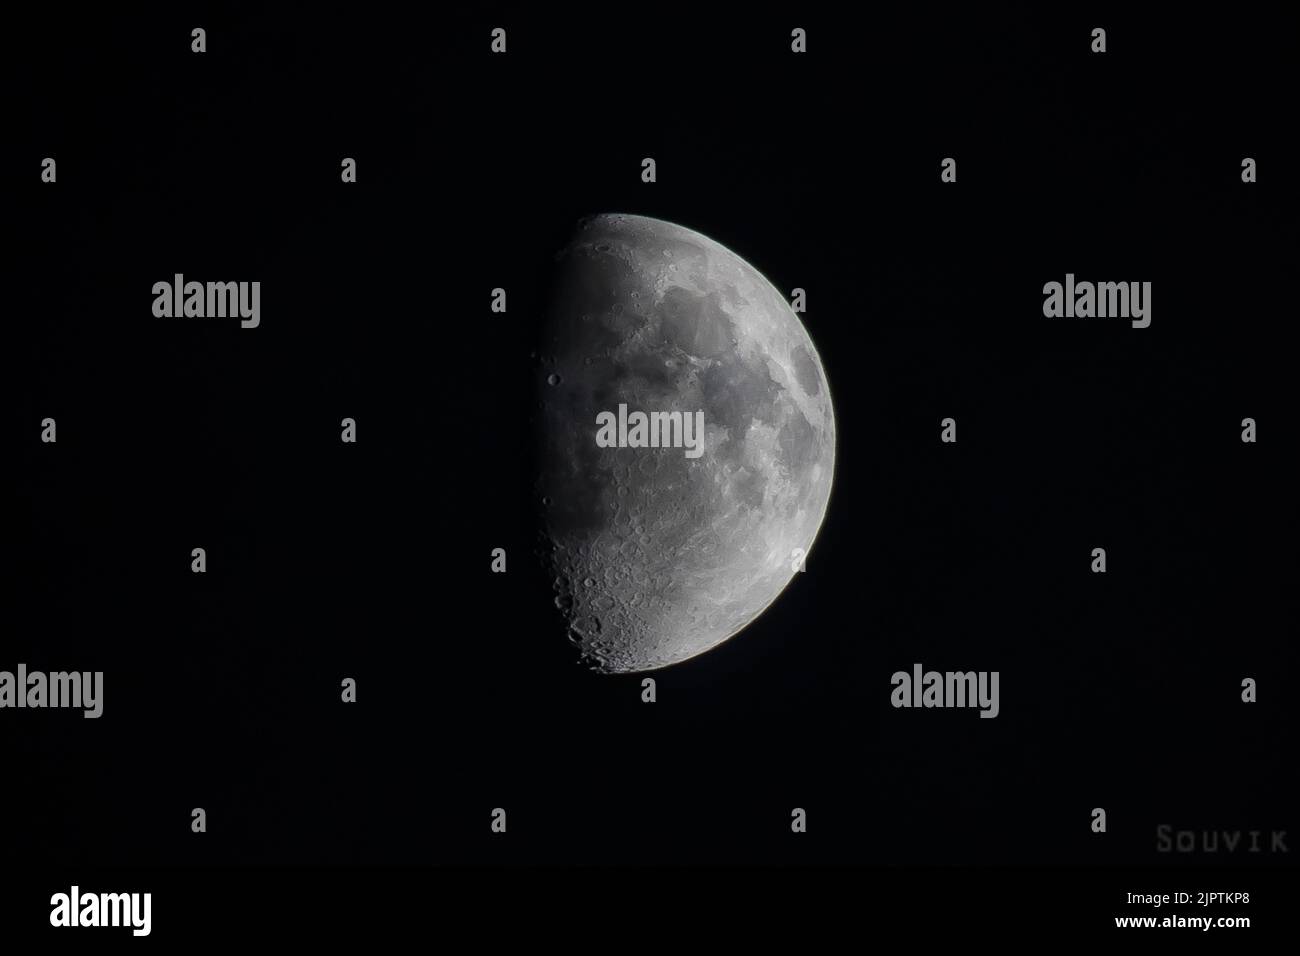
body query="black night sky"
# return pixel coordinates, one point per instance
(372, 561)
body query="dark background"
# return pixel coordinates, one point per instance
(372, 560)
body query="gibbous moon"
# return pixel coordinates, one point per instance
(659, 555)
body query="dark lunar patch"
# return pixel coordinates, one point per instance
(805, 371)
(647, 370)
(695, 323)
(737, 393)
(798, 441)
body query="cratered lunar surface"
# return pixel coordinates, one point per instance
(657, 556)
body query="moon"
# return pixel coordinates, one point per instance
(657, 556)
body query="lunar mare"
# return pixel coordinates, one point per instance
(658, 557)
